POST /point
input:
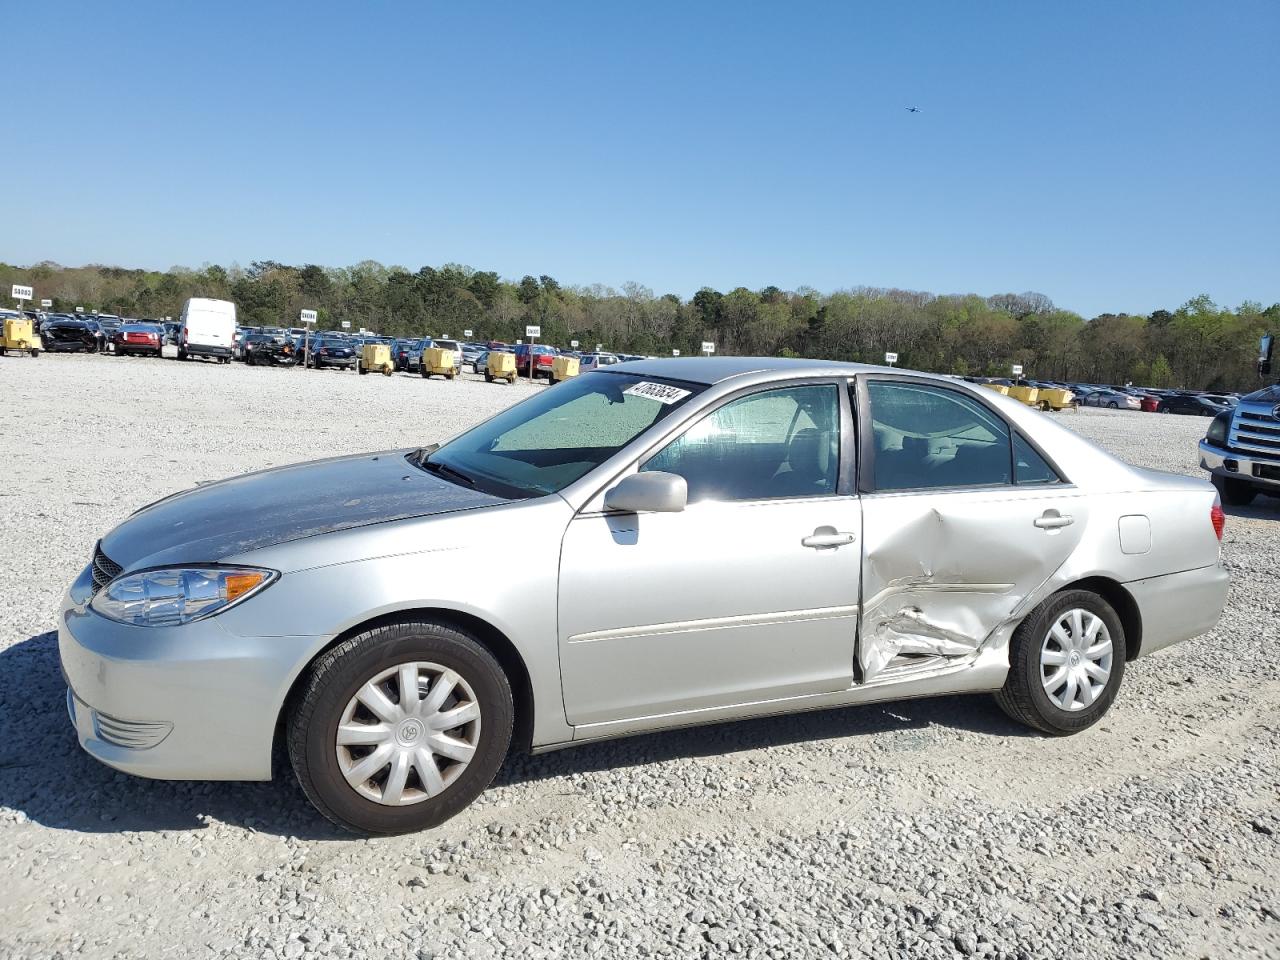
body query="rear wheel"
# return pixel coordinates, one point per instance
(1066, 662)
(1234, 493)
(400, 727)
(488, 377)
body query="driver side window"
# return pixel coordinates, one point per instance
(770, 445)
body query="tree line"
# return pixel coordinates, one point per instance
(1196, 345)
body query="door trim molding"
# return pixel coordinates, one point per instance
(719, 623)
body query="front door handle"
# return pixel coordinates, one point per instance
(827, 537)
(1052, 520)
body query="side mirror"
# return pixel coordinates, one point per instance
(651, 492)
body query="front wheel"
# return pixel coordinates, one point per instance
(1066, 661)
(1234, 493)
(400, 727)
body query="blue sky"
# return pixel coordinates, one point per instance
(1115, 156)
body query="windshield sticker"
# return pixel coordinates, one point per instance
(663, 393)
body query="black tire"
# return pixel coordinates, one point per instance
(329, 684)
(488, 377)
(1234, 493)
(422, 372)
(34, 354)
(1113, 405)
(362, 370)
(1023, 696)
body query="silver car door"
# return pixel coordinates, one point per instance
(963, 519)
(751, 592)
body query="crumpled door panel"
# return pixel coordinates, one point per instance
(941, 571)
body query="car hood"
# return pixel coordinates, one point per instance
(235, 516)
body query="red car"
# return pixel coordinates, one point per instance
(543, 358)
(138, 338)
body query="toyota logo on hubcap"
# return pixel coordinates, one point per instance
(410, 732)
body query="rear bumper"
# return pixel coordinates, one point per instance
(1240, 466)
(1179, 606)
(205, 350)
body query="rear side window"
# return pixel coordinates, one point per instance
(929, 437)
(1029, 466)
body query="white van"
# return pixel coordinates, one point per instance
(208, 329)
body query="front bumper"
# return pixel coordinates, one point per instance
(1241, 466)
(194, 702)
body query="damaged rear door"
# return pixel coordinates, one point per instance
(963, 518)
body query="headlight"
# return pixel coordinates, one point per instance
(1219, 429)
(167, 598)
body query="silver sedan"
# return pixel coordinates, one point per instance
(654, 545)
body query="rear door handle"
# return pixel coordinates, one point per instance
(827, 537)
(1052, 520)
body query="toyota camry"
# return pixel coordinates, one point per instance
(654, 545)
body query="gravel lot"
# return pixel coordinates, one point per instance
(922, 829)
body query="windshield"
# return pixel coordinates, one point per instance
(544, 444)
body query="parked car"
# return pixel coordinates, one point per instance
(543, 358)
(407, 354)
(1111, 398)
(66, 334)
(1241, 448)
(594, 361)
(697, 543)
(1193, 404)
(138, 338)
(335, 352)
(273, 349)
(470, 351)
(108, 325)
(207, 329)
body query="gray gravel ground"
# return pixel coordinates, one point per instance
(922, 829)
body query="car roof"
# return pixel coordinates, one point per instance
(711, 370)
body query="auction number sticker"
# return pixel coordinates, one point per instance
(662, 392)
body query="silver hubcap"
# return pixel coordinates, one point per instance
(408, 733)
(1075, 660)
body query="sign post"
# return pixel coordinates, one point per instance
(891, 358)
(1017, 369)
(22, 294)
(574, 344)
(308, 317)
(467, 333)
(708, 348)
(46, 304)
(675, 353)
(533, 332)
(79, 309)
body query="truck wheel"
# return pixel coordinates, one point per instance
(1234, 493)
(362, 370)
(1066, 661)
(488, 377)
(34, 354)
(422, 371)
(400, 727)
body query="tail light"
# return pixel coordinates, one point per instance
(1217, 518)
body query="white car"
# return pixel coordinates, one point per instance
(594, 361)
